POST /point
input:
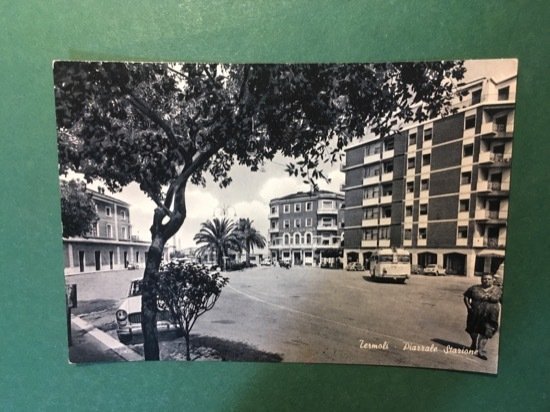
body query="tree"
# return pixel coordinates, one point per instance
(217, 236)
(78, 210)
(249, 237)
(188, 291)
(167, 125)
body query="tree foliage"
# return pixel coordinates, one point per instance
(249, 237)
(188, 291)
(218, 236)
(78, 210)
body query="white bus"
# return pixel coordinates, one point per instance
(391, 263)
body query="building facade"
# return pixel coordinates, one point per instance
(110, 245)
(439, 188)
(306, 228)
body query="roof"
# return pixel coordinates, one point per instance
(319, 194)
(108, 198)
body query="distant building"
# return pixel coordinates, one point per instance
(439, 188)
(110, 245)
(305, 228)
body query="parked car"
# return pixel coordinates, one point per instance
(266, 262)
(284, 263)
(433, 269)
(132, 266)
(355, 266)
(128, 317)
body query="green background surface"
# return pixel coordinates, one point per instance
(34, 372)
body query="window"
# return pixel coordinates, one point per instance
(412, 138)
(384, 232)
(504, 93)
(410, 163)
(371, 213)
(286, 224)
(297, 222)
(425, 184)
(287, 239)
(286, 208)
(297, 207)
(372, 171)
(427, 135)
(309, 206)
(327, 204)
(387, 190)
(109, 231)
(386, 211)
(308, 222)
(426, 159)
(410, 187)
(388, 167)
(466, 178)
(274, 210)
(422, 233)
(408, 234)
(388, 144)
(468, 150)
(424, 209)
(124, 235)
(476, 96)
(123, 214)
(327, 222)
(107, 211)
(372, 149)
(370, 234)
(297, 240)
(408, 210)
(308, 238)
(274, 223)
(371, 192)
(470, 122)
(462, 232)
(464, 205)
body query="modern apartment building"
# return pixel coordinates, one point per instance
(110, 245)
(305, 228)
(439, 188)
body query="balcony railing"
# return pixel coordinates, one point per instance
(327, 227)
(327, 210)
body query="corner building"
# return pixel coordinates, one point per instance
(440, 188)
(306, 228)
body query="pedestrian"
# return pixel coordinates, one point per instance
(482, 302)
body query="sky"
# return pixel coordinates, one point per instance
(249, 194)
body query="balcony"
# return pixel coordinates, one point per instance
(273, 215)
(489, 242)
(388, 154)
(496, 131)
(498, 188)
(384, 243)
(273, 230)
(494, 159)
(372, 158)
(369, 243)
(371, 180)
(385, 221)
(325, 227)
(327, 211)
(369, 222)
(371, 201)
(386, 199)
(387, 177)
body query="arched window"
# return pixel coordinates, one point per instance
(297, 239)
(308, 238)
(287, 239)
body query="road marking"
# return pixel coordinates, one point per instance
(338, 322)
(113, 344)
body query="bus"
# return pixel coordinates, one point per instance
(394, 264)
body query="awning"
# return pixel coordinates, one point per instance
(491, 253)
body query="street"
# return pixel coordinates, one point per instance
(307, 314)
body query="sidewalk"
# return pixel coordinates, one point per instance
(93, 345)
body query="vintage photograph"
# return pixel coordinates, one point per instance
(311, 213)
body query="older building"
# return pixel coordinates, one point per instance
(110, 245)
(438, 188)
(306, 228)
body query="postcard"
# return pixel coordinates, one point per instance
(311, 213)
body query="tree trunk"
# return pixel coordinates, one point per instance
(248, 256)
(187, 346)
(149, 299)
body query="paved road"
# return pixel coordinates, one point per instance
(322, 315)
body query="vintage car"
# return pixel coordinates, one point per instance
(434, 270)
(266, 262)
(128, 317)
(355, 266)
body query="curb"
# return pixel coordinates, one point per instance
(120, 349)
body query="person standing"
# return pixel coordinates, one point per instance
(482, 302)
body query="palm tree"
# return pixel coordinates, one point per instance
(249, 237)
(217, 236)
